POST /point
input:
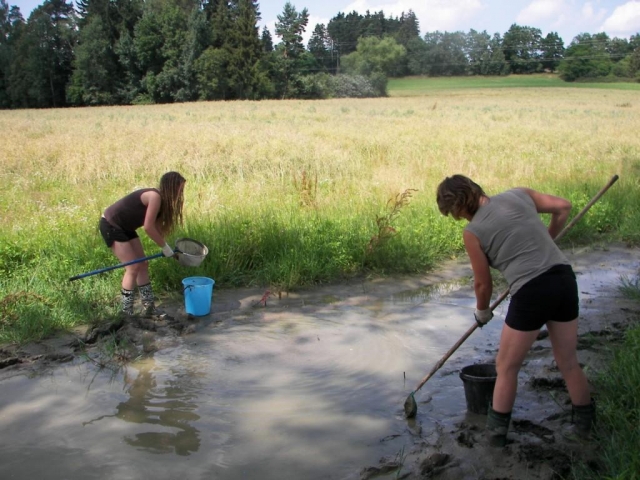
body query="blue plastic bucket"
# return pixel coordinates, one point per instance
(197, 295)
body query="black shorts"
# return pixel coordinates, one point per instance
(114, 234)
(552, 295)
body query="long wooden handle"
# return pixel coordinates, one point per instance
(504, 294)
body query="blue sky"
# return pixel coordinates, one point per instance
(618, 18)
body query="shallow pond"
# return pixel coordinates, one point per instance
(311, 386)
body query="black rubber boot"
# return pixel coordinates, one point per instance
(497, 427)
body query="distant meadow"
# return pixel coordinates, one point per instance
(288, 194)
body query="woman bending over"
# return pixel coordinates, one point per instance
(158, 211)
(505, 232)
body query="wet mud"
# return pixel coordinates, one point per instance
(444, 441)
(538, 445)
(110, 342)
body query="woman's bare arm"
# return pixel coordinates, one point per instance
(482, 283)
(558, 207)
(153, 202)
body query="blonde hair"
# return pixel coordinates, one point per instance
(458, 194)
(171, 197)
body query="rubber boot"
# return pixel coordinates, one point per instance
(148, 302)
(583, 418)
(497, 427)
(128, 297)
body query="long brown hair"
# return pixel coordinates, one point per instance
(172, 198)
(458, 194)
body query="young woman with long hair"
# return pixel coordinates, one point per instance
(158, 211)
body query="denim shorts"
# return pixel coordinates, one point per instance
(551, 296)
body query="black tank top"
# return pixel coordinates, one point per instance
(128, 213)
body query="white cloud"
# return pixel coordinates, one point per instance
(540, 10)
(563, 15)
(433, 15)
(589, 14)
(624, 21)
(587, 10)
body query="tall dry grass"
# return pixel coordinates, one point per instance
(246, 154)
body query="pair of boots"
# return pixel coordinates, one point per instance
(583, 417)
(146, 295)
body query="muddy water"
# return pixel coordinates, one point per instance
(312, 386)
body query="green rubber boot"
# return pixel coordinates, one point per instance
(497, 427)
(583, 418)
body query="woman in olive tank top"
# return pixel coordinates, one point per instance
(505, 232)
(158, 211)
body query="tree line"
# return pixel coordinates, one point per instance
(123, 52)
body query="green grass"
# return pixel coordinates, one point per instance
(619, 408)
(617, 431)
(630, 287)
(424, 85)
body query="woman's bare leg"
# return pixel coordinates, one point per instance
(564, 340)
(136, 274)
(514, 346)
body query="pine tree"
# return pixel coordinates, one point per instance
(11, 23)
(409, 28)
(318, 46)
(43, 57)
(245, 51)
(266, 40)
(290, 26)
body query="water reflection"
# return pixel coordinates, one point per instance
(169, 405)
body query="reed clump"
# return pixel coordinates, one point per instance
(384, 223)
(307, 187)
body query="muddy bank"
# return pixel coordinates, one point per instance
(109, 342)
(363, 335)
(536, 447)
(140, 335)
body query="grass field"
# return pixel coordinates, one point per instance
(292, 193)
(412, 86)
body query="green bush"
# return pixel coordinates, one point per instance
(379, 82)
(313, 86)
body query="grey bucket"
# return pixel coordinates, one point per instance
(478, 381)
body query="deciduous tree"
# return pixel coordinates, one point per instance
(521, 47)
